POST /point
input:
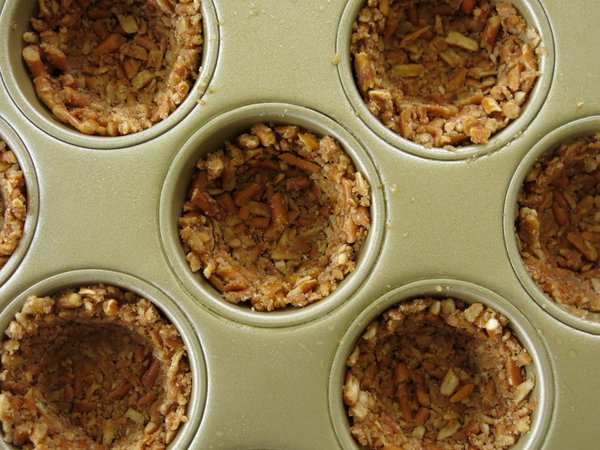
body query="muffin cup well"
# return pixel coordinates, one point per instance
(531, 10)
(581, 128)
(12, 140)
(14, 19)
(210, 138)
(167, 307)
(542, 393)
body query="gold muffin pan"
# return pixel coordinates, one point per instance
(105, 210)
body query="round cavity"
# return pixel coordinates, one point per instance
(89, 360)
(276, 217)
(18, 201)
(441, 363)
(278, 207)
(552, 223)
(445, 80)
(105, 68)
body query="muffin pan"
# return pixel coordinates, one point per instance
(105, 210)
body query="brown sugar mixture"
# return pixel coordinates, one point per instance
(558, 225)
(13, 203)
(438, 374)
(276, 218)
(92, 368)
(114, 67)
(443, 73)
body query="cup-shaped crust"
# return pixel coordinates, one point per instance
(90, 368)
(444, 73)
(114, 68)
(558, 224)
(13, 203)
(277, 217)
(439, 373)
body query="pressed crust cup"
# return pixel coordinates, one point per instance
(535, 17)
(15, 20)
(14, 144)
(539, 370)
(213, 137)
(579, 318)
(107, 330)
